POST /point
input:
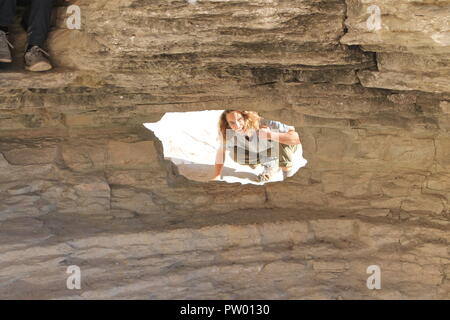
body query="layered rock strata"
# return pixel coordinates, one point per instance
(82, 182)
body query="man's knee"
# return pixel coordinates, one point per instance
(287, 154)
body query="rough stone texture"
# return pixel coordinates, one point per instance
(82, 182)
(412, 45)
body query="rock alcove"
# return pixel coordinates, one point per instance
(191, 140)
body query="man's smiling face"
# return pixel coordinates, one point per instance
(236, 121)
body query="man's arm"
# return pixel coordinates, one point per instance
(220, 158)
(290, 138)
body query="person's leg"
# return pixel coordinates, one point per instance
(36, 21)
(7, 12)
(286, 156)
(244, 157)
(269, 160)
(26, 14)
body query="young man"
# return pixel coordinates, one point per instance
(36, 22)
(253, 140)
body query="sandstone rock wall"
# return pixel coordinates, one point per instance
(372, 109)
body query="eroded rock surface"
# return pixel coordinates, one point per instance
(82, 182)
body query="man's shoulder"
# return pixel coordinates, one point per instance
(268, 123)
(277, 125)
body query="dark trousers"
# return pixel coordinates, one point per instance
(36, 19)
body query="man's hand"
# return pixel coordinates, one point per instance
(265, 133)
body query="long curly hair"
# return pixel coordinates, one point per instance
(252, 120)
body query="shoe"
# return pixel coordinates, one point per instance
(36, 59)
(253, 166)
(5, 53)
(269, 171)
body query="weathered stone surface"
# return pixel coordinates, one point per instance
(58, 78)
(420, 26)
(146, 35)
(401, 81)
(83, 182)
(134, 155)
(26, 156)
(167, 262)
(412, 41)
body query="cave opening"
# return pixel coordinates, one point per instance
(192, 140)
